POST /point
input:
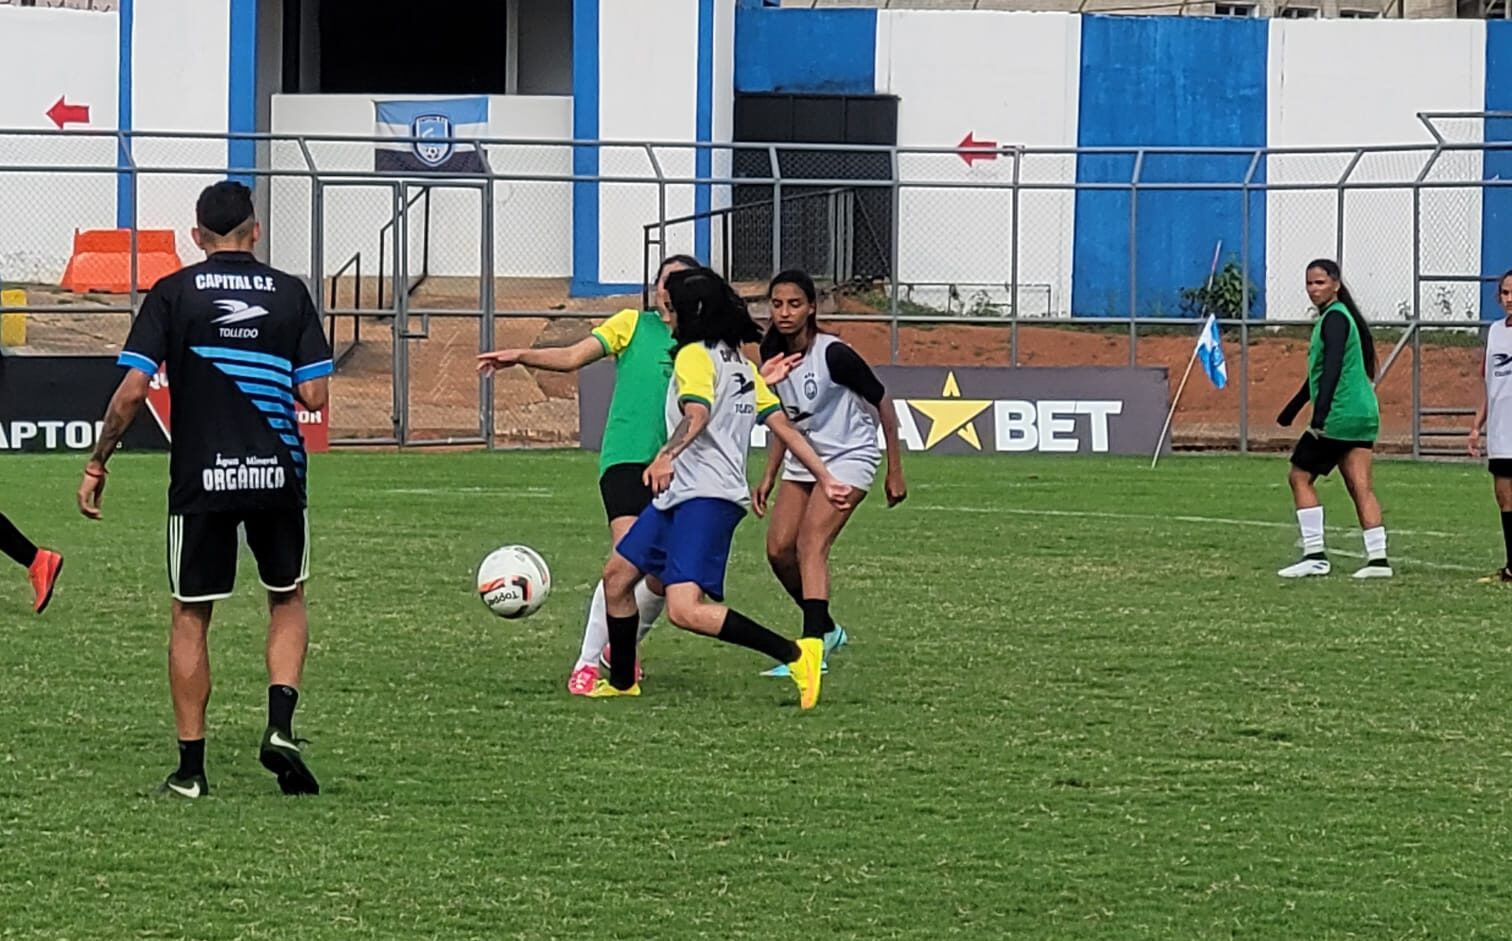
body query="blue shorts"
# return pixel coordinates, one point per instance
(688, 543)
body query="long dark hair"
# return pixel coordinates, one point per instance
(708, 311)
(774, 343)
(1367, 342)
(648, 294)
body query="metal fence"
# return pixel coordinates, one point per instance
(928, 255)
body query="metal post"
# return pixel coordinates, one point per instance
(1134, 258)
(1013, 261)
(661, 208)
(1339, 207)
(486, 324)
(136, 202)
(317, 243)
(1417, 316)
(897, 254)
(401, 324)
(1244, 301)
(776, 211)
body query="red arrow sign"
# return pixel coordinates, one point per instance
(64, 113)
(972, 150)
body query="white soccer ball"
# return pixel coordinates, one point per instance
(514, 581)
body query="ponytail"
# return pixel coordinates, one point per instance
(1367, 341)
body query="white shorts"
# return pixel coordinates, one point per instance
(854, 470)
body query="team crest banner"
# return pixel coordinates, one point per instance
(446, 127)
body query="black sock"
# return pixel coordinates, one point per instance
(15, 545)
(1507, 534)
(622, 637)
(744, 632)
(816, 617)
(191, 758)
(281, 703)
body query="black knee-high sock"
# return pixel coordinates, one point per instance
(281, 703)
(744, 632)
(816, 617)
(1507, 534)
(622, 637)
(15, 545)
(191, 757)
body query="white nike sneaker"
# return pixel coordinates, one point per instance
(1380, 569)
(1305, 568)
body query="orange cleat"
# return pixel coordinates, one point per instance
(44, 570)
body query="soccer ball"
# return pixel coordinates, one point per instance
(514, 581)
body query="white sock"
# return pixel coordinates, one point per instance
(596, 631)
(1375, 543)
(650, 605)
(1310, 520)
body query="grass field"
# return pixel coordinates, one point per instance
(1078, 705)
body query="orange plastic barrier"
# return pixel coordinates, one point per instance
(101, 260)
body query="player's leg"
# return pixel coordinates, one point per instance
(822, 524)
(624, 496)
(639, 554)
(201, 570)
(697, 554)
(783, 522)
(1311, 459)
(42, 565)
(280, 542)
(1355, 468)
(1501, 471)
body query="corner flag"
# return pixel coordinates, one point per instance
(1210, 351)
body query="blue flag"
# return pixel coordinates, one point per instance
(1210, 351)
(435, 120)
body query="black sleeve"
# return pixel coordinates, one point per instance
(147, 344)
(1289, 413)
(848, 368)
(1335, 338)
(312, 359)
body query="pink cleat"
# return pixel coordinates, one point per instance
(582, 680)
(640, 674)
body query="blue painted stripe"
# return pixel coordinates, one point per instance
(125, 191)
(314, 371)
(703, 163)
(291, 440)
(827, 52)
(272, 408)
(280, 424)
(241, 106)
(1496, 201)
(1210, 77)
(252, 372)
(137, 361)
(585, 160)
(269, 392)
(243, 356)
(298, 457)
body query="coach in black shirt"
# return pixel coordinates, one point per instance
(243, 346)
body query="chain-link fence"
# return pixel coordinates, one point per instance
(969, 256)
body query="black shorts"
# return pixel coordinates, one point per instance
(203, 547)
(1500, 467)
(1319, 456)
(624, 493)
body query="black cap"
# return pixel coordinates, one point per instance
(223, 206)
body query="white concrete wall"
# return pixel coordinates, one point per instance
(1010, 78)
(1352, 83)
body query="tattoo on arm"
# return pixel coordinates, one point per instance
(679, 438)
(116, 424)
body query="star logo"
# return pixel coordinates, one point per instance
(951, 414)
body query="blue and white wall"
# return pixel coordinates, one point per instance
(1059, 80)
(163, 65)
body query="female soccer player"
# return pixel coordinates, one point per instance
(43, 565)
(1495, 414)
(683, 539)
(641, 344)
(1341, 365)
(836, 401)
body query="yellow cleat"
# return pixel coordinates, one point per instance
(604, 689)
(807, 669)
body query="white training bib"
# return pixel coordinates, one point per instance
(839, 424)
(1499, 391)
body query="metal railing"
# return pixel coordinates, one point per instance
(938, 229)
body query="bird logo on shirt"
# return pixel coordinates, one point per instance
(237, 311)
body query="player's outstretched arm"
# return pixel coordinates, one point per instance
(553, 359)
(695, 418)
(837, 493)
(123, 408)
(775, 452)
